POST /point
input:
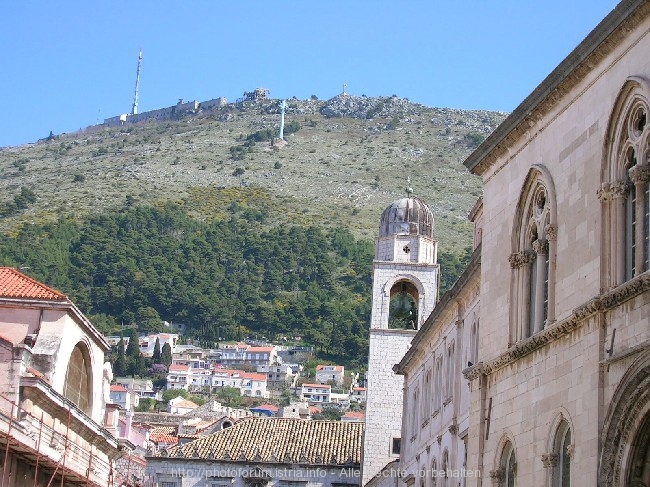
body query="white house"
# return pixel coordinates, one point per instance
(316, 393)
(326, 374)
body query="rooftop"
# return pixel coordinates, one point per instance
(14, 284)
(276, 440)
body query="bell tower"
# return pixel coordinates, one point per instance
(404, 292)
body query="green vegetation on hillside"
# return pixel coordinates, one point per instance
(227, 279)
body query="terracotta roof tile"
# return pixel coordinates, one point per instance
(354, 415)
(330, 368)
(178, 367)
(118, 388)
(259, 349)
(164, 434)
(280, 440)
(14, 284)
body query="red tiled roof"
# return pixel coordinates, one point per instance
(172, 440)
(268, 407)
(118, 388)
(285, 440)
(319, 386)
(354, 414)
(332, 368)
(179, 367)
(254, 376)
(14, 284)
(259, 349)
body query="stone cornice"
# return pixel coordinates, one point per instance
(62, 305)
(603, 40)
(553, 332)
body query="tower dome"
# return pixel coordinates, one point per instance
(407, 216)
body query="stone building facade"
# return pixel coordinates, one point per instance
(555, 386)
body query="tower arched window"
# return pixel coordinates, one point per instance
(403, 308)
(624, 191)
(78, 376)
(533, 257)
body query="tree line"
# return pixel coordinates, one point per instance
(226, 280)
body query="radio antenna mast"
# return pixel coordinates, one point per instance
(134, 110)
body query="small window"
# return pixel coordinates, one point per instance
(396, 446)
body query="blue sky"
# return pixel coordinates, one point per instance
(69, 64)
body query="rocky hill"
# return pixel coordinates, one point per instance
(345, 160)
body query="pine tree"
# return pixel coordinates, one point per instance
(133, 348)
(166, 354)
(156, 357)
(120, 366)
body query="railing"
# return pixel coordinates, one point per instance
(19, 426)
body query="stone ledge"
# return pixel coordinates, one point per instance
(605, 302)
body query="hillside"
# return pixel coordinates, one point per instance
(209, 221)
(338, 169)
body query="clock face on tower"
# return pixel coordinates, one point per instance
(406, 249)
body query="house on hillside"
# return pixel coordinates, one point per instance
(148, 343)
(180, 405)
(330, 374)
(123, 397)
(141, 387)
(316, 393)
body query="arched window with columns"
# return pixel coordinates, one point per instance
(506, 471)
(533, 256)
(624, 187)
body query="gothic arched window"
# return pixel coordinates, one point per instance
(78, 376)
(533, 258)
(624, 190)
(434, 473)
(562, 456)
(506, 473)
(451, 376)
(428, 391)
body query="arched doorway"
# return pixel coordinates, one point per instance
(625, 455)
